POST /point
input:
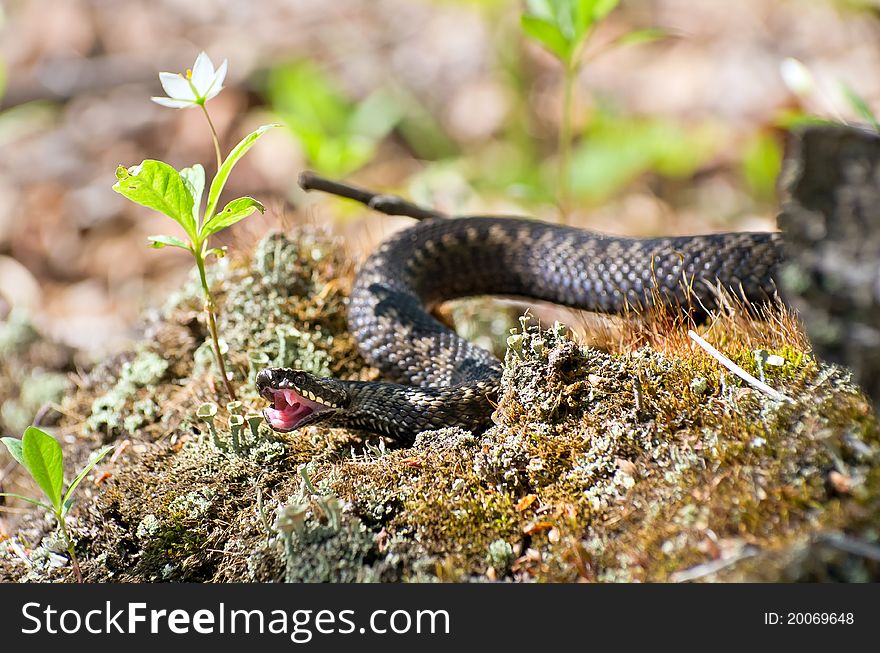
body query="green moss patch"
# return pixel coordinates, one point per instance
(645, 463)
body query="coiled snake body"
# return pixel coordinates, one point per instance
(437, 378)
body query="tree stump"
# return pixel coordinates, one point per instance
(831, 221)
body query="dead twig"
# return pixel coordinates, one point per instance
(736, 369)
(712, 567)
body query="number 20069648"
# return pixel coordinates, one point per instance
(808, 618)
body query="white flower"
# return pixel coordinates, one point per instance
(195, 88)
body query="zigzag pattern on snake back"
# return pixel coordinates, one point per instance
(436, 377)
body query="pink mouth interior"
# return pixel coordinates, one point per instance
(289, 409)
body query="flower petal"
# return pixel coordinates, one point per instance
(202, 73)
(176, 86)
(174, 104)
(217, 83)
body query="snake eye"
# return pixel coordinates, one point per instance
(299, 379)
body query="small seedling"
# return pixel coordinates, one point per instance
(178, 194)
(40, 454)
(563, 27)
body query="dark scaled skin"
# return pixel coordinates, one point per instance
(439, 379)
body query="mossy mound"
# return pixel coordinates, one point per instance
(648, 463)
(634, 466)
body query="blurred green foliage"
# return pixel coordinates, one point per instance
(761, 163)
(616, 149)
(337, 135)
(521, 160)
(26, 119)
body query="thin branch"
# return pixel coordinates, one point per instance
(712, 567)
(736, 369)
(387, 204)
(851, 545)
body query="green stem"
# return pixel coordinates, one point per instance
(210, 309)
(214, 137)
(564, 147)
(71, 551)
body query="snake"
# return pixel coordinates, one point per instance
(435, 378)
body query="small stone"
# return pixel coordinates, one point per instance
(627, 467)
(841, 483)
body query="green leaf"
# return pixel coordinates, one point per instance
(223, 173)
(857, 102)
(601, 8)
(540, 8)
(79, 477)
(158, 186)
(162, 240)
(237, 209)
(13, 445)
(639, 36)
(195, 181)
(562, 26)
(548, 35)
(43, 459)
(28, 499)
(308, 99)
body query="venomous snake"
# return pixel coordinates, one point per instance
(435, 377)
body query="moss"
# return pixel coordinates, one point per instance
(323, 545)
(119, 408)
(647, 461)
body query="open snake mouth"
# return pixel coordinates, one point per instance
(290, 410)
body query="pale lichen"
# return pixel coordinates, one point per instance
(646, 463)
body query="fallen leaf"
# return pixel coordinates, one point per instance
(525, 502)
(537, 527)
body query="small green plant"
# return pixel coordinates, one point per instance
(40, 454)
(178, 194)
(564, 27)
(337, 136)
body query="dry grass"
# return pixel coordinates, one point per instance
(732, 322)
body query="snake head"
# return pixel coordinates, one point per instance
(298, 398)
